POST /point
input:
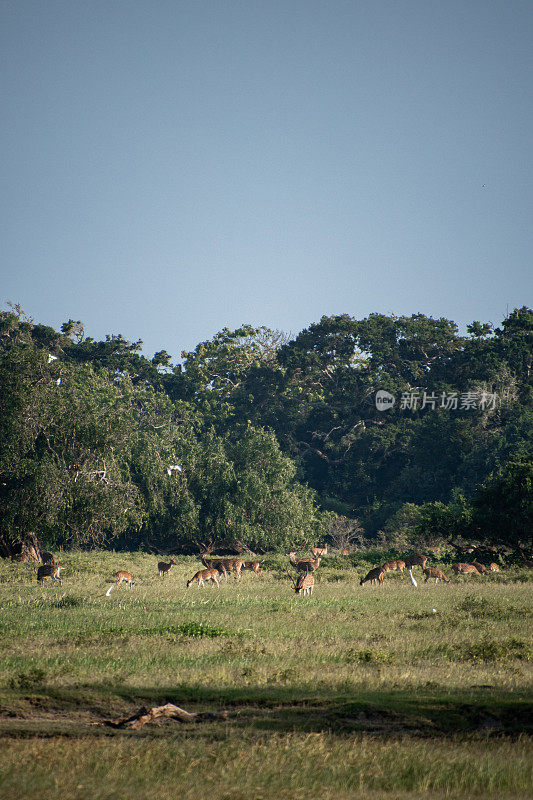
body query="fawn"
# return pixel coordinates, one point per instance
(203, 575)
(124, 577)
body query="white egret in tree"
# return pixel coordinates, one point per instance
(173, 468)
(51, 358)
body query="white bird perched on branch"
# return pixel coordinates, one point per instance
(173, 468)
(51, 358)
(412, 579)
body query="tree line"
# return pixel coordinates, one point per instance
(261, 441)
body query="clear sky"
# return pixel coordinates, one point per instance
(171, 168)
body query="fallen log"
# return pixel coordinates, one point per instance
(168, 711)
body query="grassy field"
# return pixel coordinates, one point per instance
(391, 691)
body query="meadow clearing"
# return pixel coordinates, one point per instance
(356, 691)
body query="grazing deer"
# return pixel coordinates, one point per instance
(254, 566)
(163, 567)
(375, 575)
(480, 567)
(224, 565)
(431, 572)
(305, 584)
(415, 561)
(464, 569)
(494, 567)
(124, 577)
(49, 571)
(319, 551)
(392, 565)
(48, 558)
(304, 564)
(204, 575)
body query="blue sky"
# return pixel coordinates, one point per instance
(172, 168)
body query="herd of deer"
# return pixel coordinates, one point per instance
(377, 574)
(215, 568)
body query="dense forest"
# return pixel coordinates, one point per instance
(261, 441)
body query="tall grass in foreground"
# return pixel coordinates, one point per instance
(292, 765)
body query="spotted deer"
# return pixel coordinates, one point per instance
(204, 575)
(415, 561)
(254, 566)
(494, 567)
(49, 571)
(392, 565)
(481, 568)
(305, 584)
(224, 565)
(304, 564)
(319, 551)
(464, 569)
(431, 572)
(374, 576)
(164, 567)
(124, 577)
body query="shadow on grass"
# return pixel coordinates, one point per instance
(429, 712)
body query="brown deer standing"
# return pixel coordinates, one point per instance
(319, 551)
(415, 561)
(305, 584)
(431, 572)
(49, 571)
(304, 564)
(205, 575)
(392, 565)
(124, 577)
(480, 567)
(464, 569)
(374, 576)
(224, 565)
(494, 567)
(163, 567)
(254, 566)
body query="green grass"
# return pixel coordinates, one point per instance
(355, 691)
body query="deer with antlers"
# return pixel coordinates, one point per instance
(305, 584)
(304, 564)
(319, 551)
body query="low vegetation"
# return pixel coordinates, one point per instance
(355, 691)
